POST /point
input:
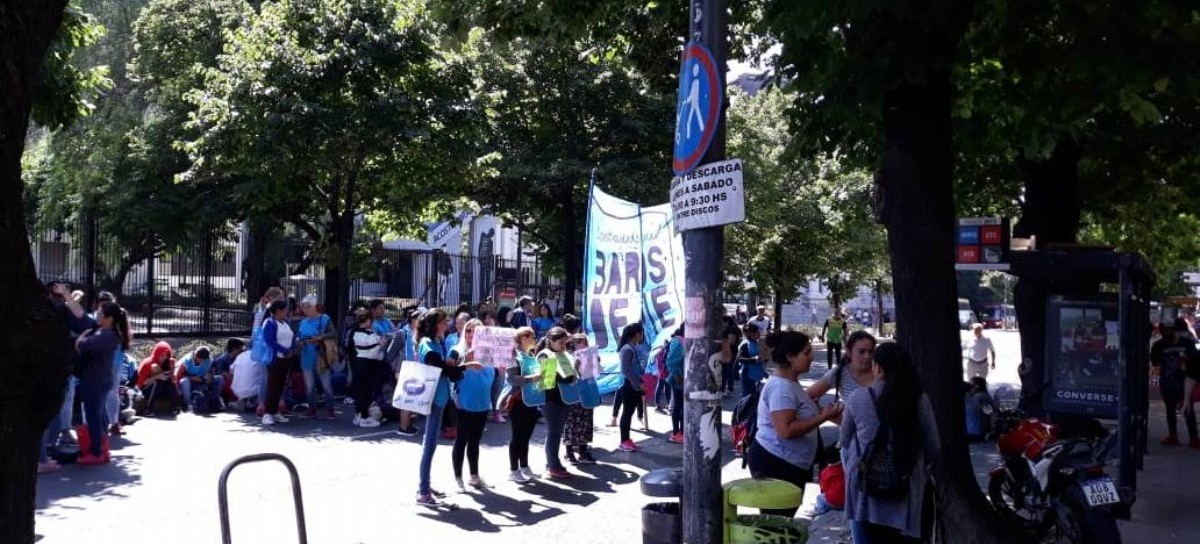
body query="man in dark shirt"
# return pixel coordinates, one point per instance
(1173, 357)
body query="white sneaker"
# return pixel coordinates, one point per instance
(477, 483)
(356, 420)
(367, 423)
(519, 477)
(461, 486)
(529, 473)
(280, 419)
(268, 420)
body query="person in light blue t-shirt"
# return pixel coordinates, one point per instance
(473, 397)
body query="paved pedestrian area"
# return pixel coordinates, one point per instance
(359, 486)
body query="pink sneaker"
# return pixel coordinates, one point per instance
(676, 438)
(628, 445)
(498, 417)
(560, 474)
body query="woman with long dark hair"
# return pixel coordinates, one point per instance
(97, 347)
(897, 403)
(432, 351)
(852, 372)
(629, 396)
(785, 445)
(557, 366)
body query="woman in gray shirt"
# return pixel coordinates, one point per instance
(897, 398)
(786, 442)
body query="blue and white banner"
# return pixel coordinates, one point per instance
(633, 271)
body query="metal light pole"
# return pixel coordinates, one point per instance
(703, 250)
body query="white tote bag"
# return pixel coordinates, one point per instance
(416, 385)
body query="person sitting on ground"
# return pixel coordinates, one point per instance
(223, 364)
(245, 376)
(196, 375)
(156, 379)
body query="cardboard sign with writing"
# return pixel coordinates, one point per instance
(589, 363)
(493, 346)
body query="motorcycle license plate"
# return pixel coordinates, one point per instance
(1100, 492)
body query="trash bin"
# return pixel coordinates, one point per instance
(756, 528)
(662, 522)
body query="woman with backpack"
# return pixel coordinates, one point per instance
(785, 443)
(889, 437)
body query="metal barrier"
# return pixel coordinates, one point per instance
(223, 492)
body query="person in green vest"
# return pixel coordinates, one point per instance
(833, 333)
(558, 367)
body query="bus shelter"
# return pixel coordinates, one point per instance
(1096, 340)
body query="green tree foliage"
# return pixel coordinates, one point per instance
(67, 88)
(806, 218)
(116, 166)
(555, 116)
(321, 109)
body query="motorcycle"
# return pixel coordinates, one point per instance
(1047, 481)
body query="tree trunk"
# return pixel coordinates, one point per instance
(33, 341)
(916, 189)
(1050, 211)
(254, 266)
(778, 307)
(574, 255)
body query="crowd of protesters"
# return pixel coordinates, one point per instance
(298, 361)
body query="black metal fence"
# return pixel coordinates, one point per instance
(207, 286)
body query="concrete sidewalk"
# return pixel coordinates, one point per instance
(1168, 492)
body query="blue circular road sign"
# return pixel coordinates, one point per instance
(698, 109)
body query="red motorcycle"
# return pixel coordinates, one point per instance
(1046, 481)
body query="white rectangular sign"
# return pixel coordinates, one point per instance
(709, 196)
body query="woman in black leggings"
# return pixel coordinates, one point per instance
(522, 416)
(632, 369)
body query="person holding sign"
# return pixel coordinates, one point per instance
(557, 367)
(579, 428)
(524, 372)
(474, 400)
(432, 351)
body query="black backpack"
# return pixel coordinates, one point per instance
(745, 412)
(885, 468)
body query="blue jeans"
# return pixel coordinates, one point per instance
(310, 387)
(95, 413)
(433, 426)
(113, 407)
(63, 421)
(556, 417)
(856, 532)
(186, 385)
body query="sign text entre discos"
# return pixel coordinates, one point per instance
(709, 196)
